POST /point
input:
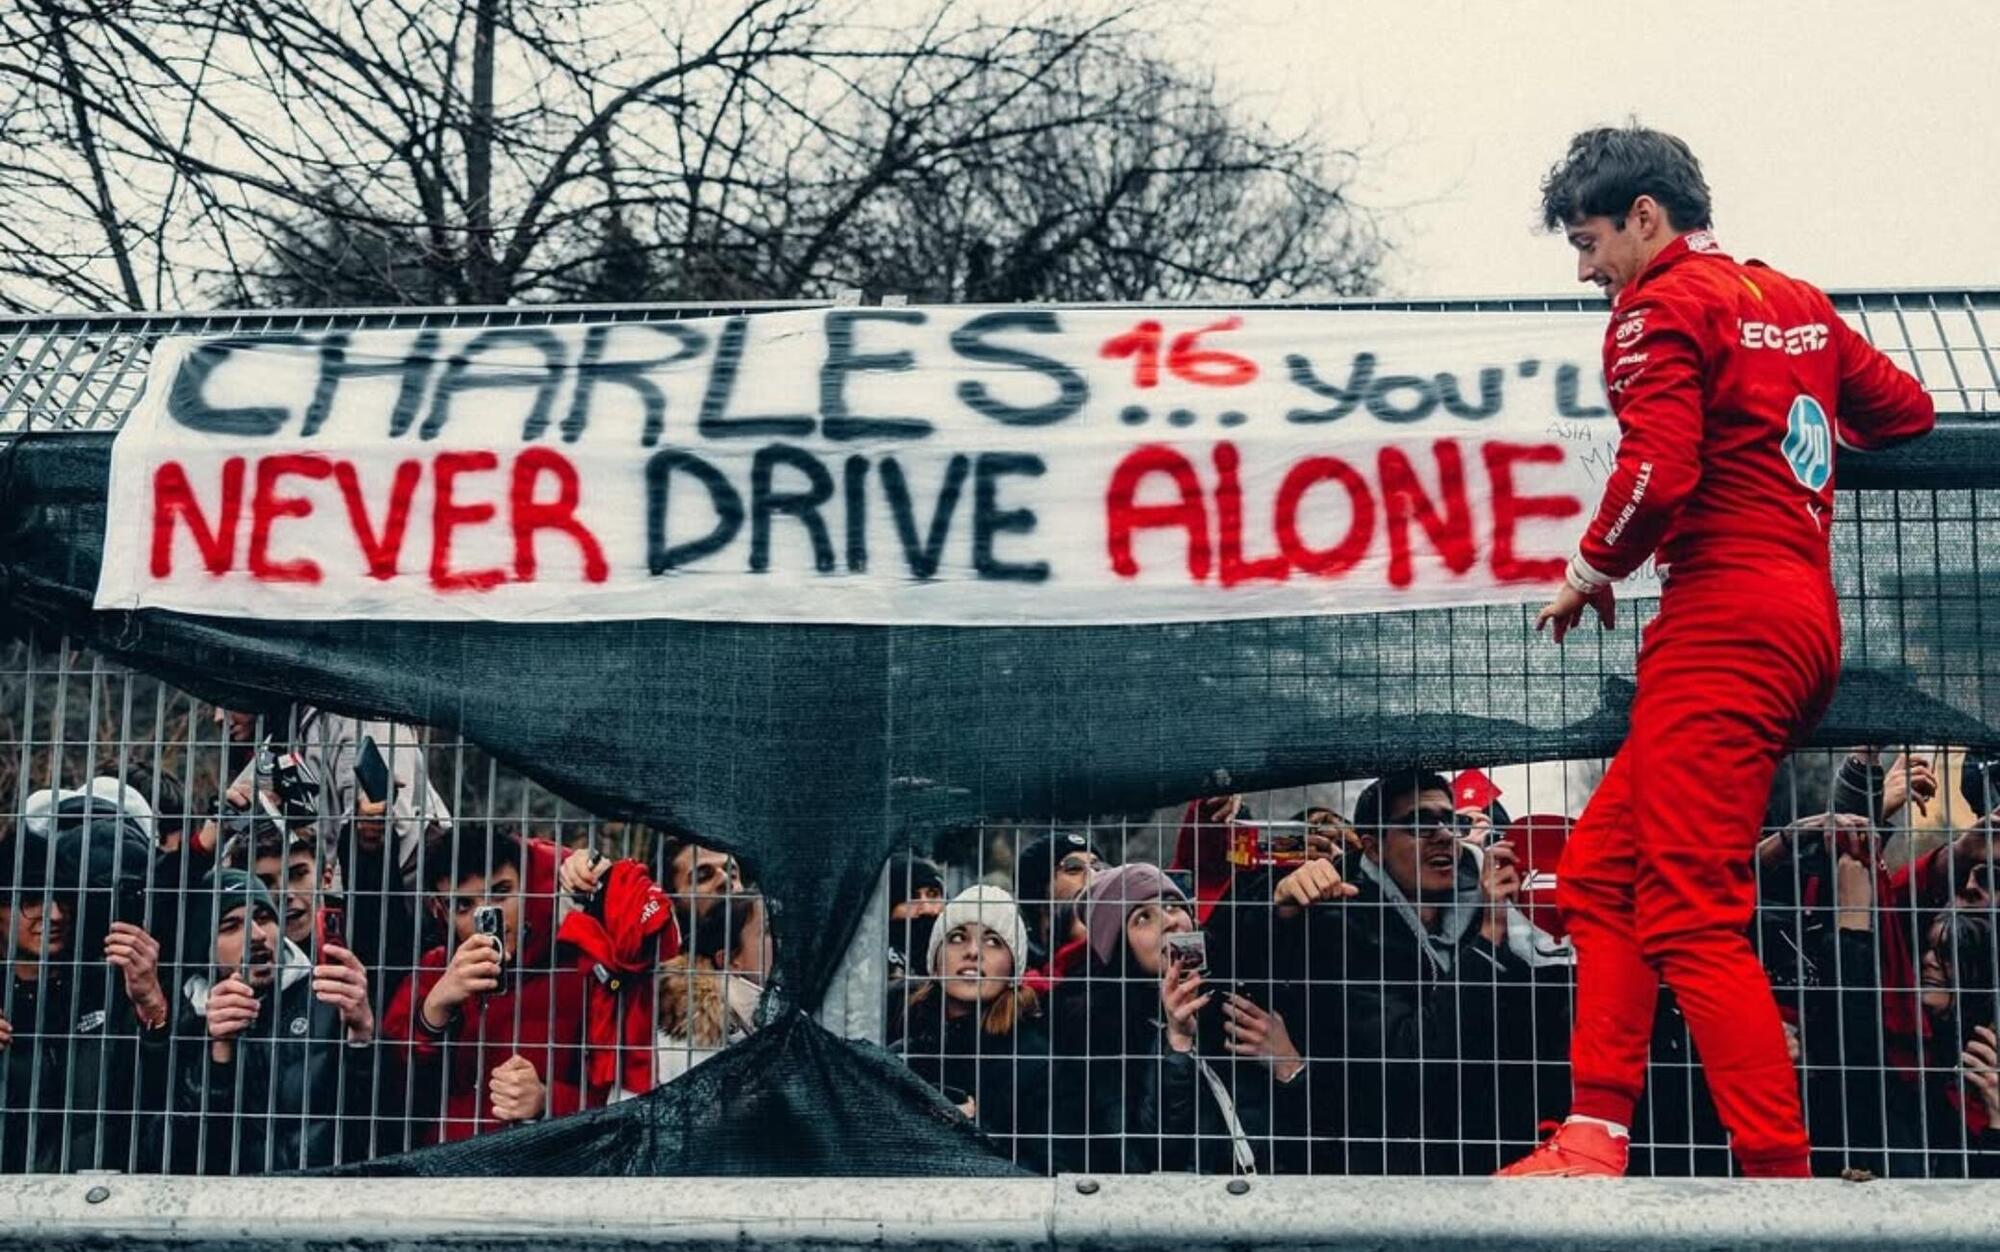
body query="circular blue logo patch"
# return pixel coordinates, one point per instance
(1808, 446)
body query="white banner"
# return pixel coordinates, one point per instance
(952, 466)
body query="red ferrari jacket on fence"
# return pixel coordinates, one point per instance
(1732, 383)
(540, 1013)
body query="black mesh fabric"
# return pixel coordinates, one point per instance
(813, 751)
(788, 1101)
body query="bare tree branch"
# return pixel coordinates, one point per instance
(102, 206)
(435, 151)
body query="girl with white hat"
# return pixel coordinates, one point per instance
(974, 1031)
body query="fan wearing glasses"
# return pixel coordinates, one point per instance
(1425, 850)
(1427, 1000)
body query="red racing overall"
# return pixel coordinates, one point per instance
(1731, 383)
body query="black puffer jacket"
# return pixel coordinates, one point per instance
(1007, 1076)
(1128, 1103)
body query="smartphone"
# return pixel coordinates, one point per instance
(1259, 844)
(487, 920)
(955, 1095)
(1188, 949)
(1468, 870)
(1857, 785)
(330, 926)
(371, 772)
(1981, 776)
(1975, 1009)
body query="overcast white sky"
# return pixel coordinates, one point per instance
(1856, 144)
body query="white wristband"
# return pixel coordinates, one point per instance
(1583, 578)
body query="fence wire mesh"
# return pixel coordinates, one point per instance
(337, 1002)
(1371, 1047)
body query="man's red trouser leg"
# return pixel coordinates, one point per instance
(1723, 689)
(1615, 988)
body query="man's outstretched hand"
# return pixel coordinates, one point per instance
(1566, 610)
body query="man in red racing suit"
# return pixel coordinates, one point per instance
(1731, 383)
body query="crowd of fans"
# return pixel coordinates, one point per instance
(321, 966)
(1391, 993)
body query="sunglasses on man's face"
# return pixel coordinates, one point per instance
(1429, 823)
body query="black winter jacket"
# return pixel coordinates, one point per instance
(77, 1085)
(1129, 1103)
(295, 1095)
(1007, 1076)
(1864, 1113)
(1434, 1055)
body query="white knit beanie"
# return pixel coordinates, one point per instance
(991, 907)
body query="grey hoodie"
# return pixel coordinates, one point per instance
(1536, 947)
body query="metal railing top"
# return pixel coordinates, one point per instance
(80, 372)
(1844, 298)
(391, 314)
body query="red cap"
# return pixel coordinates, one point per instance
(1473, 790)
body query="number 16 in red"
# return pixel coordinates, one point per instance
(1186, 359)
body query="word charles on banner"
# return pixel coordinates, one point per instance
(947, 466)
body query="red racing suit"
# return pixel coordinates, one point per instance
(1732, 383)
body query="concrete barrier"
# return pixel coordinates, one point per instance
(129, 1214)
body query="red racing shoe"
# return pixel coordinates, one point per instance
(1574, 1150)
